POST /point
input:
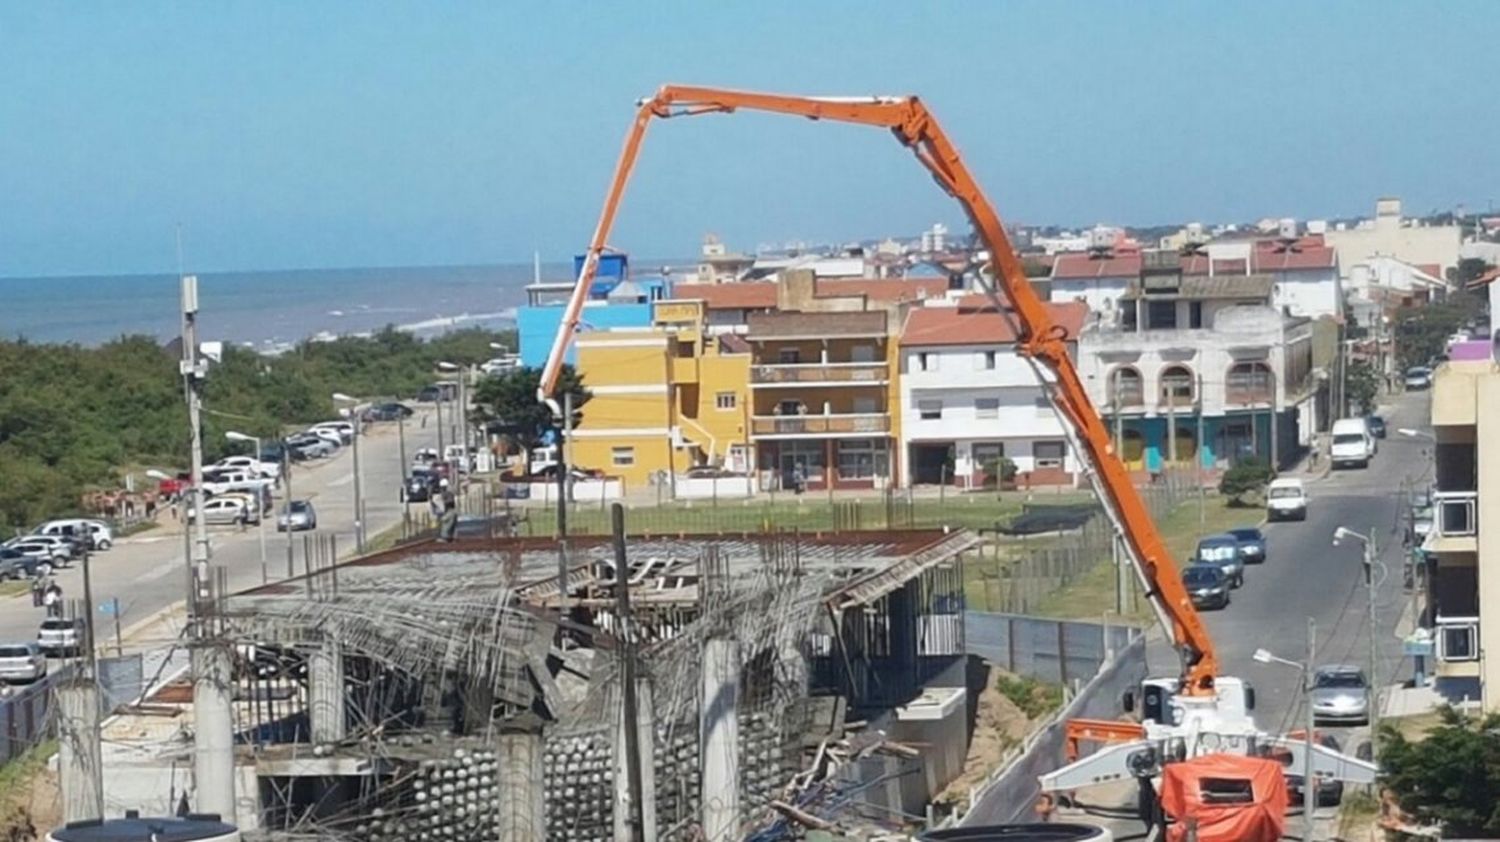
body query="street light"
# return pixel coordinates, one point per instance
(1309, 782)
(359, 512)
(463, 419)
(1367, 546)
(260, 519)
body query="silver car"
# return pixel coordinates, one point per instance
(298, 515)
(1340, 694)
(58, 636)
(22, 663)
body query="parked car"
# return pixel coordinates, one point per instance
(222, 510)
(99, 535)
(22, 663)
(345, 429)
(1224, 551)
(64, 547)
(1206, 585)
(1340, 694)
(1286, 498)
(298, 516)
(224, 481)
(1252, 544)
(251, 464)
(59, 636)
(392, 411)
(1418, 377)
(44, 556)
(1330, 790)
(328, 434)
(17, 565)
(1352, 443)
(305, 446)
(1376, 425)
(430, 394)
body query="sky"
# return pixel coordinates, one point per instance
(282, 134)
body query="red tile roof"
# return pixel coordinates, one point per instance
(745, 295)
(1307, 253)
(964, 325)
(1433, 269)
(1080, 265)
(1490, 276)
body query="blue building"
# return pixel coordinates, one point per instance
(616, 300)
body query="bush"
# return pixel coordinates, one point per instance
(1034, 698)
(999, 470)
(1450, 777)
(1248, 476)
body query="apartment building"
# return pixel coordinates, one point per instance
(1201, 370)
(1463, 557)
(616, 300)
(664, 398)
(1389, 234)
(967, 400)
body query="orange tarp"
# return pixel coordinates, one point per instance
(1234, 798)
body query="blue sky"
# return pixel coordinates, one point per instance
(286, 134)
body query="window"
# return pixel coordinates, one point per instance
(862, 354)
(1458, 640)
(926, 361)
(986, 408)
(791, 408)
(788, 356)
(930, 410)
(726, 400)
(622, 457)
(866, 406)
(861, 459)
(686, 349)
(1126, 388)
(1249, 382)
(985, 361)
(1176, 385)
(1195, 314)
(1049, 454)
(1161, 315)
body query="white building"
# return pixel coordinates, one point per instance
(1389, 235)
(1199, 360)
(967, 399)
(1386, 276)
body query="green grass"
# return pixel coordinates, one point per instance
(16, 775)
(809, 513)
(13, 588)
(1093, 593)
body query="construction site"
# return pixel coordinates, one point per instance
(454, 691)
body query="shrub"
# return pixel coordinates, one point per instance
(1248, 476)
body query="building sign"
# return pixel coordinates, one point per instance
(677, 312)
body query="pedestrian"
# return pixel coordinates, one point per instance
(36, 592)
(435, 504)
(174, 506)
(53, 600)
(151, 508)
(799, 479)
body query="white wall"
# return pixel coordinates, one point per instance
(1309, 292)
(1434, 244)
(1101, 294)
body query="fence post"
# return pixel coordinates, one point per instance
(1062, 654)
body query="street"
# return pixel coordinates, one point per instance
(147, 572)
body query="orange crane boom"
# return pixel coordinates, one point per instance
(1041, 339)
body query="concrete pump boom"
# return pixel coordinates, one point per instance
(1041, 340)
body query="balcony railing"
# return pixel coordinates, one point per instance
(791, 374)
(1457, 638)
(1456, 513)
(1127, 396)
(1240, 395)
(819, 425)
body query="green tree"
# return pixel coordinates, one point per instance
(1363, 385)
(510, 399)
(1247, 476)
(1449, 777)
(1421, 333)
(1468, 269)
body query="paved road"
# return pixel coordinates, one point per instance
(147, 573)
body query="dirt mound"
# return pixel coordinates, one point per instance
(999, 725)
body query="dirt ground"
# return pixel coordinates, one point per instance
(999, 725)
(31, 806)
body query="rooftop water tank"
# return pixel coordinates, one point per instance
(194, 827)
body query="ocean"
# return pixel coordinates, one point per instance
(268, 310)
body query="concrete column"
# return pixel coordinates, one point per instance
(79, 758)
(719, 739)
(325, 693)
(647, 740)
(213, 724)
(522, 810)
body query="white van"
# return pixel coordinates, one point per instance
(1286, 499)
(99, 533)
(1353, 443)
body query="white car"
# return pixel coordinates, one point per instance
(269, 470)
(225, 510)
(345, 429)
(328, 434)
(58, 636)
(62, 548)
(22, 663)
(222, 482)
(1353, 443)
(1286, 498)
(101, 537)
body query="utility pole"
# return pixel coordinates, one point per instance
(1370, 556)
(563, 466)
(636, 819)
(1309, 783)
(359, 502)
(1171, 428)
(286, 508)
(1198, 461)
(193, 371)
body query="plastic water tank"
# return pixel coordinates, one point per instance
(194, 827)
(1023, 833)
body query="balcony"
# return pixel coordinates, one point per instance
(826, 426)
(819, 374)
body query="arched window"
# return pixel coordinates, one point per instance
(1187, 447)
(1176, 386)
(1133, 450)
(1250, 382)
(1125, 387)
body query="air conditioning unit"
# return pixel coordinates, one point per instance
(1287, 229)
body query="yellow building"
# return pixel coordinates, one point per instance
(663, 399)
